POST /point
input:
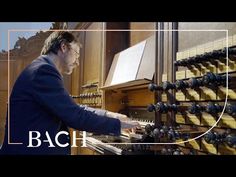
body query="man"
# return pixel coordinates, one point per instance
(40, 104)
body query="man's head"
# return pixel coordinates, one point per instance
(66, 47)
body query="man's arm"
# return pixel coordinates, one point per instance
(49, 92)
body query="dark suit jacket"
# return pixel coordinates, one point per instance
(39, 102)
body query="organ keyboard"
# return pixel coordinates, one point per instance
(124, 144)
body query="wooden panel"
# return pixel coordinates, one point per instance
(2, 130)
(195, 144)
(19, 66)
(115, 42)
(180, 75)
(221, 93)
(112, 68)
(193, 119)
(164, 77)
(3, 75)
(138, 36)
(75, 82)
(163, 117)
(208, 119)
(180, 95)
(190, 44)
(192, 94)
(226, 150)
(164, 97)
(166, 50)
(93, 44)
(87, 151)
(228, 121)
(208, 147)
(222, 67)
(142, 83)
(180, 118)
(121, 39)
(3, 103)
(193, 72)
(78, 75)
(3, 112)
(141, 97)
(188, 39)
(208, 94)
(208, 67)
(180, 144)
(113, 101)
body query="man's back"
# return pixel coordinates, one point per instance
(26, 114)
(39, 102)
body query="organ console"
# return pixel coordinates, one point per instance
(144, 134)
(153, 87)
(231, 51)
(214, 108)
(206, 57)
(231, 109)
(209, 79)
(220, 138)
(210, 107)
(180, 84)
(164, 151)
(151, 108)
(231, 140)
(171, 151)
(221, 54)
(214, 79)
(210, 137)
(163, 107)
(173, 135)
(196, 108)
(195, 83)
(167, 85)
(214, 137)
(199, 88)
(178, 152)
(148, 129)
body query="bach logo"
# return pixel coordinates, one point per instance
(34, 136)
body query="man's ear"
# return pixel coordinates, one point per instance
(63, 47)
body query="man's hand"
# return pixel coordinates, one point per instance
(129, 127)
(116, 115)
(126, 123)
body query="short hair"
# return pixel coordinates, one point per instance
(53, 42)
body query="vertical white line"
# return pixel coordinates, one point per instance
(103, 63)
(227, 64)
(8, 84)
(84, 139)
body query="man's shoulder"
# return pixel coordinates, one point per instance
(43, 69)
(42, 64)
(39, 69)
